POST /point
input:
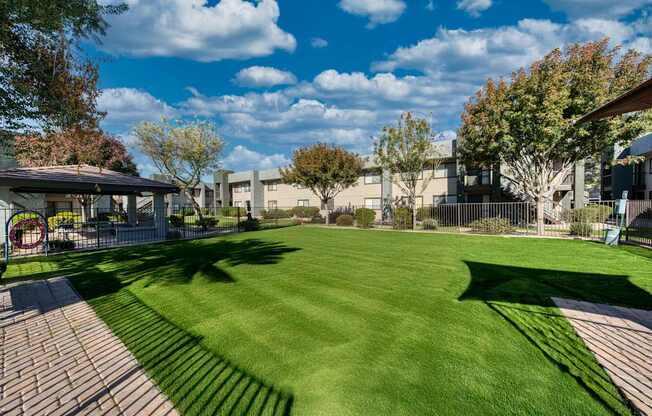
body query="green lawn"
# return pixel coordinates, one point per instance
(308, 320)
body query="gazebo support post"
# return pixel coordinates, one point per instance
(160, 219)
(131, 210)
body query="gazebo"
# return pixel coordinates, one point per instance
(28, 189)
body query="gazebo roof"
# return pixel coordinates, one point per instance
(79, 179)
(637, 99)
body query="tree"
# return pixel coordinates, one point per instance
(182, 151)
(527, 127)
(75, 147)
(324, 169)
(405, 151)
(41, 79)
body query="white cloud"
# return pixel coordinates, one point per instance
(126, 106)
(597, 8)
(318, 43)
(377, 11)
(230, 29)
(264, 76)
(476, 54)
(242, 158)
(474, 7)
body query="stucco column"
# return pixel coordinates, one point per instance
(578, 184)
(160, 220)
(131, 210)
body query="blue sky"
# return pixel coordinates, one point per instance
(274, 75)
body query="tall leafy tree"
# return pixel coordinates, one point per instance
(42, 79)
(74, 147)
(324, 169)
(182, 151)
(408, 153)
(527, 126)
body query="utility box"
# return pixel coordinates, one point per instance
(612, 236)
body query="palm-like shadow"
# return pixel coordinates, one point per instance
(522, 296)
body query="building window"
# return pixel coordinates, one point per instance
(272, 186)
(446, 170)
(272, 204)
(371, 178)
(372, 203)
(241, 187)
(444, 199)
(405, 201)
(303, 202)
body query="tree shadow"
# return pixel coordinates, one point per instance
(196, 380)
(104, 272)
(522, 296)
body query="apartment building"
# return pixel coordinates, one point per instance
(636, 178)
(203, 195)
(265, 189)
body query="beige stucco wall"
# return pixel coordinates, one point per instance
(438, 186)
(286, 196)
(357, 194)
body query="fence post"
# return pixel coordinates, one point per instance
(238, 223)
(459, 222)
(97, 226)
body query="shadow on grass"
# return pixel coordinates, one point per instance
(171, 263)
(522, 297)
(197, 381)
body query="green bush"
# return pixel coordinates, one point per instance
(3, 267)
(233, 211)
(364, 217)
(304, 212)
(63, 219)
(494, 225)
(272, 214)
(430, 224)
(61, 245)
(206, 222)
(25, 216)
(402, 218)
(425, 213)
(593, 213)
(250, 225)
(344, 220)
(317, 219)
(582, 229)
(176, 220)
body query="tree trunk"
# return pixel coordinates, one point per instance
(540, 215)
(414, 215)
(195, 205)
(328, 216)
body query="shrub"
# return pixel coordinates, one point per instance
(425, 213)
(25, 216)
(430, 224)
(206, 222)
(250, 225)
(593, 213)
(63, 219)
(61, 245)
(344, 220)
(494, 225)
(582, 229)
(364, 217)
(233, 211)
(176, 220)
(304, 212)
(272, 214)
(317, 219)
(3, 267)
(402, 218)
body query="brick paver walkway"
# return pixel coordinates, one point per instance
(58, 358)
(621, 340)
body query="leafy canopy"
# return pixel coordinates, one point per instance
(41, 79)
(527, 126)
(405, 150)
(324, 169)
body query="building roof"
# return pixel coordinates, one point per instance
(637, 99)
(642, 145)
(82, 179)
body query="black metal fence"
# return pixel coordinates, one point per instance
(44, 230)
